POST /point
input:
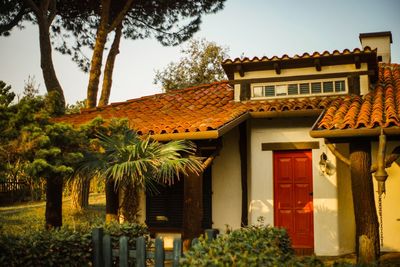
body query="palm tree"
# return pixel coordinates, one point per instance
(130, 163)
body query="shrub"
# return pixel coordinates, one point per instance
(257, 245)
(64, 247)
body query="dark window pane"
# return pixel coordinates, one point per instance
(269, 90)
(293, 89)
(328, 87)
(316, 88)
(340, 86)
(304, 88)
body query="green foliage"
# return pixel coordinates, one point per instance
(64, 247)
(257, 245)
(201, 64)
(128, 158)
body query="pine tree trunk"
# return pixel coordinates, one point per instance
(53, 212)
(108, 70)
(111, 202)
(129, 203)
(97, 57)
(46, 63)
(80, 193)
(367, 225)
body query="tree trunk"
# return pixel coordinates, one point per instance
(108, 70)
(192, 207)
(80, 193)
(53, 86)
(53, 212)
(111, 202)
(367, 225)
(97, 57)
(129, 203)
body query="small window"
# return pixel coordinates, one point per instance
(316, 88)
(328, 87)
(269, 90)
(304, 88)
(340, 86)
(293, 89)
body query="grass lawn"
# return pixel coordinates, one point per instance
(22, 218)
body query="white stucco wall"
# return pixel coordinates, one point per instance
(226, 184)
(390, 201)
(326, 222)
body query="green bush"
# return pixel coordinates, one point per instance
(63, 247)
(250, 246)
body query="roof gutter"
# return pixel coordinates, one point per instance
(213, 134)
(354, 132)
(286, 114)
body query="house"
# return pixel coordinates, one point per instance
(269, 131)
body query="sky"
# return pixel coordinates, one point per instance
(249, 28)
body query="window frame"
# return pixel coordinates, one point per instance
(310, 94)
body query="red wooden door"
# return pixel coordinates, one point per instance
(293, 200)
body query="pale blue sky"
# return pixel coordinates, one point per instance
(251, 28)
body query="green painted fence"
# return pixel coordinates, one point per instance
(103, 254)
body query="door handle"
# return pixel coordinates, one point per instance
(311, 193)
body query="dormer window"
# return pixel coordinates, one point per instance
(298, 89)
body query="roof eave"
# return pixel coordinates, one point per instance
(354, 133)
(211, 134)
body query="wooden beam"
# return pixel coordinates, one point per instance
(277, 68)
(192, 206)
(317, 64)
(243, 171)
(357, 62)
(240, 69)
(289, 146)
(339, 155)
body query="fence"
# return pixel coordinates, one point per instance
(103, 253)
(11, 191)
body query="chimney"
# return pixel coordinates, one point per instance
(379, 40)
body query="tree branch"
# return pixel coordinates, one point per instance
(388, 160)
(118, 19)
(53, 11)
(34, 7)
(339, 155)
(14, 22)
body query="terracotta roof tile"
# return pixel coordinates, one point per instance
(201, 108)
(303, 56)
(378, 108)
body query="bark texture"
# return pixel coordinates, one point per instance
(80, 193)
(111, 202)
(97, 57)
(108, 69)
(367, 225)
(53, 213)
(129, 204)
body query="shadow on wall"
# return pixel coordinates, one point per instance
(324, 218)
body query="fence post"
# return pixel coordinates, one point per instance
(160, 255)
(123, 251)
(194, 241)
(140, 252)
(211, 234)
(97, 238)
(107, 251)
(177, 252)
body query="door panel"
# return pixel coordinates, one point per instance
(293, 202)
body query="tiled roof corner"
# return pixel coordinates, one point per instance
(378, 108)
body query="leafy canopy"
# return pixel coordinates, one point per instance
(201, 64)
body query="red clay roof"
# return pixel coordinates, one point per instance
(198, 109)
(378, 108)
(355, 51)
